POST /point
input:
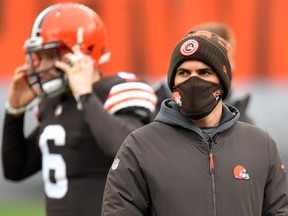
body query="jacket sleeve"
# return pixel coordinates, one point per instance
(126, 191)
(21, 157)
(276, 189)
(109, 130)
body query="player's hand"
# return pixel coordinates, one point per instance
(20, 93)
(79, 71)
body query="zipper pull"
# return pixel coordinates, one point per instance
(211, 164)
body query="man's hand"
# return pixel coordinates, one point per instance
(79, 70)
(20, 93)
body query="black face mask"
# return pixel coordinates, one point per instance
(196, 97)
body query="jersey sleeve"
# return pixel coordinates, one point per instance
(129, 95)
(108, 130)
(21, 157)
(117, 107)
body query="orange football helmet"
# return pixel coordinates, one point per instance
(68, 24)
(60, 27)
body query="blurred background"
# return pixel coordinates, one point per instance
(142, 35)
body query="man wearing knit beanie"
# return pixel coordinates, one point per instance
(198, 96)
(197, 158)
(241, 103)
(206, 47)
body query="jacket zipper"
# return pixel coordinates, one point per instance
(212, 173)
(211, 162)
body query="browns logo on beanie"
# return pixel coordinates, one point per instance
(208, 48)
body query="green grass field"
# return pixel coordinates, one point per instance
(22, 209)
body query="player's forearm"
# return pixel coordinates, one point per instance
(15, 155)
(108, 130)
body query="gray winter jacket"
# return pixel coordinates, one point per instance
(171, 167)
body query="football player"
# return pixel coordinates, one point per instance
(83, 115)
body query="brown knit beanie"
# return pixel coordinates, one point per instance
(208, 48)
